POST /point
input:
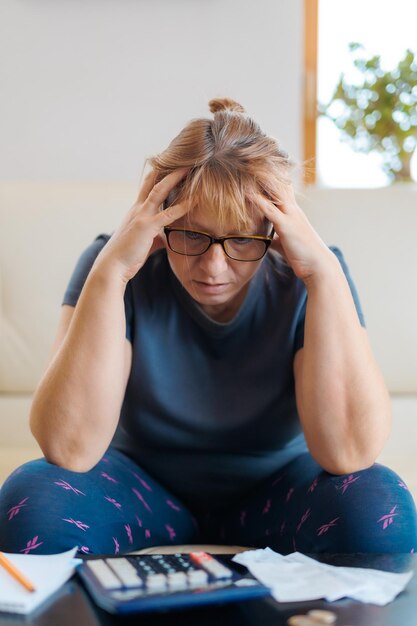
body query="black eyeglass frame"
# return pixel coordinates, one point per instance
(267, 240)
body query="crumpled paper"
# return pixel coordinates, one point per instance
(296, 577)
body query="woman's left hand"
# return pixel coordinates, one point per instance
(295, 238)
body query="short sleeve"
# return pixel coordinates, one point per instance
(299, 335)
(79, 276)
(353, 289)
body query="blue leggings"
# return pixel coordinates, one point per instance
(117, 507)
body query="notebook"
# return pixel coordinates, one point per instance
(46, 572)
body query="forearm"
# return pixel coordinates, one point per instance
(77, 404)
(343, 402)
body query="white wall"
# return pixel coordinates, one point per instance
(89, 88)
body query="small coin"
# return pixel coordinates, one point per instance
(302, 620)
(322, 616)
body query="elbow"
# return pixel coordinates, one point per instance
(68, 456)
(354, 451)
(78, 468)
(346, 468)
(70, 463)
(344, 463)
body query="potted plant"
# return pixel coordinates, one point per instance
(378, 112)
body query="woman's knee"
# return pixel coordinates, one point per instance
(30, 499)
(25, 478)
(110, 508)
(372, 511)
(33, 480)
(376, 485)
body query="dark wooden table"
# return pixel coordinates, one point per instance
(72, 605)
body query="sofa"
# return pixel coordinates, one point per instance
(45, 226)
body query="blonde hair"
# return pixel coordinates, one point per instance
(229, 157)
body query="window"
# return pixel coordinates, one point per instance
(384, 28)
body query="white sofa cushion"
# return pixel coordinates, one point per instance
(43, 229)
(376, 229)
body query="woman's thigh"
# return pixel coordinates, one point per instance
(304, 508)
(114, 507)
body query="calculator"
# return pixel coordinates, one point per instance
(140, 583)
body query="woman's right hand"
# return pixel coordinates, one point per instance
(136, 237)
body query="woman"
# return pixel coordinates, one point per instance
(211, 378)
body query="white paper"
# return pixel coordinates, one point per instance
(296, 578)
(46, 572)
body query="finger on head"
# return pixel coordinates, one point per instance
(160, 191)
(171, 180)
(284, 197)
(268, 208)
(172, 213)
(147, 185)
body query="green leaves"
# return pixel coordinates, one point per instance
(379, 110)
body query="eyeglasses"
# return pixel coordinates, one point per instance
(195, 242)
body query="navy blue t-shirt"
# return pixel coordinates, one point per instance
(209, 408)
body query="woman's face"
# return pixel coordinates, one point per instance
(212, 279)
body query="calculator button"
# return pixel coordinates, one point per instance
(197, 577)
(156, 581)
(211, 565)
(104, 574)
(126, 572)
(177, 580)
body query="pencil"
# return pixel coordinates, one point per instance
(13, 571)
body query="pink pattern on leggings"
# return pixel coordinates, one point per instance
(110, 478)
(76, 523)
(289, 494)
(113, 501)
(65, 485)
(277, 480)
(388, 519)
(129, 533)
(304, 518)
(142, 481)
(142, 499)
(347, 482)
(171, 532)
(16, 509)
(172, 505)
(267, 506)
(323, 529)
(32, 544)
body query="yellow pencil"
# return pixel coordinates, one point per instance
(13, 571)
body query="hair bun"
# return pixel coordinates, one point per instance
(225, 104)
